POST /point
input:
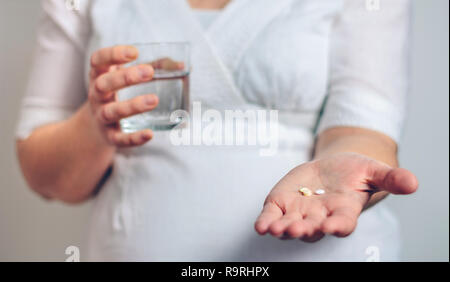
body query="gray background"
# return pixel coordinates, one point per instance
(32, 229)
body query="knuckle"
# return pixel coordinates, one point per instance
(136, 139)
(137, 106)
(135, 75)
(116, 53)
(130, 77)
(122, 110)
(106, 114)
(125, 141)
(101, 85)
(111, 137)
(133, 141)
(120, 140)
(116, 80)
(94, 59)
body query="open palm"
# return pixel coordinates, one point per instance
(348, 180)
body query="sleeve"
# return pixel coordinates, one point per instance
(369, 55)
(56, 86)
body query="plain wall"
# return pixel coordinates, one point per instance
(32, 229)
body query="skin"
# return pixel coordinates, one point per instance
(67, 160)
(356, 167)
(208, 4)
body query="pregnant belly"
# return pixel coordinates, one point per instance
(191, 203)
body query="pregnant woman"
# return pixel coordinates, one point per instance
(334, 70)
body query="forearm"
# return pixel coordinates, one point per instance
(362, 141)
(65, 160)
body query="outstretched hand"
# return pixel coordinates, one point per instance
(348, 180)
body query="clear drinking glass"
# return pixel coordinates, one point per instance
(170, 83)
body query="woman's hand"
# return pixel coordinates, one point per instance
(106, 77)
(68, 160)
(348, 180)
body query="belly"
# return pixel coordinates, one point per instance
(199, 203)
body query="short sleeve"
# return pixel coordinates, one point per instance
(369, 56)
(56, 86)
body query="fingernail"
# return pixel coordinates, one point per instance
(130, 52)
(146, 72)
(150, 100)
(145, 136)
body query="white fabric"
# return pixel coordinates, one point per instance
(56, 85)
(206, 17)
(166, 202)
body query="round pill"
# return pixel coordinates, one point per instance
(319, 192)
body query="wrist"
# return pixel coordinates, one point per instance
(375, 198)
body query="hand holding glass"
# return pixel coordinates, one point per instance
(170, 83)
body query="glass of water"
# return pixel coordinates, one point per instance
(170, 83)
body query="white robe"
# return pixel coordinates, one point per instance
(183, 203)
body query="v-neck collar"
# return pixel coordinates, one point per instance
(224, 13)
(239, 24)
(216, 52)
(232, 32)
(206, 17)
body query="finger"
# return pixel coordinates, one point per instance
(278, 227)
(167, 64)
(115, 55)
(113, 112)
(297, 229)
(315, 215)
(313, 221)
(313, 238)
(312, 232)
(270, 213)
(108, 83)
(121, 139)
(393, 180)
(312, 216)
(96, 72)
(341, 222)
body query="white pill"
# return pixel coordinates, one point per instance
(319, 192)
(305, 191)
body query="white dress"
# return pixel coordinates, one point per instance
(198, 203)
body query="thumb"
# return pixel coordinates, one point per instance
(393, 180)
